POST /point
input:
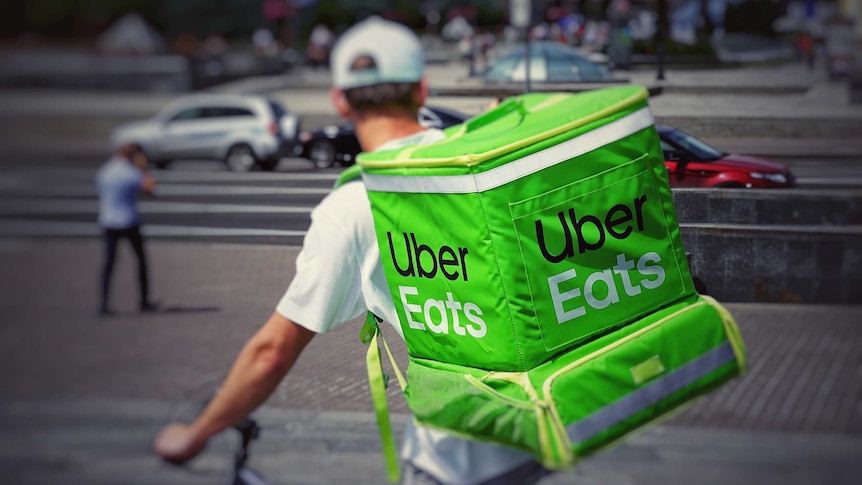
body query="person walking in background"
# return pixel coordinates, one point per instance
(319, 44)
(379, 84)
(119, 182)
(806, 49)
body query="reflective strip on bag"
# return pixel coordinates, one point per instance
(651, 394)
(467, 184)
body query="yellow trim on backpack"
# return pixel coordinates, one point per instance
(471, 159)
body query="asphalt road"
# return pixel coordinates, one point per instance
(202, 201)
(197, 201)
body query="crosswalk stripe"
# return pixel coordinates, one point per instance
(89, 190)
(40, 202)
(53, 206)
(67, 173)
(185, 189)
(28, 228)
(235, 177)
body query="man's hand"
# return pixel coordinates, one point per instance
(178, 443)
(258, 369)
(148, 184)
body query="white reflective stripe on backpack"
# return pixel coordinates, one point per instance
(466, 184)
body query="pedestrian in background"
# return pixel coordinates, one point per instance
(379, 84)
(319, 44)
(120, 180)
(806, 49)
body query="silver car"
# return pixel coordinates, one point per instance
(243, 131)
(550, 62)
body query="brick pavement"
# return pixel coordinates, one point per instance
(803, 360)
(81, 397)
(106, 441)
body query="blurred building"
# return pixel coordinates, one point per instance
(131, 34)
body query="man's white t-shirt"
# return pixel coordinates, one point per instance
(339, 277)
(119, 182)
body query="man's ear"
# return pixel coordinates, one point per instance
(340, 103)
(422, 92)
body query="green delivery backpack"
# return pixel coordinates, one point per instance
(536, 265)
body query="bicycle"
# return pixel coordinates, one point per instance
(249, 431)
(243, 475)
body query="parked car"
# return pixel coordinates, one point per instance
(550, 62)
(337, 144)
(243, 131)
(745, 47)
(691, 162)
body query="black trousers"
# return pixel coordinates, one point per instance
(112, 237)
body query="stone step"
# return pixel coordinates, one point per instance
(777, 263)
(764, 207)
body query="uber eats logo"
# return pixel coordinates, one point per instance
(572, 235)
(572, 272)
(439, 313)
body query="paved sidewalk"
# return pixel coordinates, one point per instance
(776, 103)
(739, 93)
(82, 396)
(106, 441)
(780, 102)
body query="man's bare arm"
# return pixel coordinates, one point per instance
(259, 367)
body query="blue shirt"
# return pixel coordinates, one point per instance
(119, 182)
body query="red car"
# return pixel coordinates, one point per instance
(692, 163)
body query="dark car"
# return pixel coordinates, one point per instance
(691, 162)
(337, 144)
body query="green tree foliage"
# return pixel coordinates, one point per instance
(68, 18)
(753, 16)
(87, 18)
(336, 14)
(231, 18)
(203, 17)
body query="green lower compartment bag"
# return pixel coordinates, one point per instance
(536, 266)
(588, 397)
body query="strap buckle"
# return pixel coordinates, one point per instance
(369, 328)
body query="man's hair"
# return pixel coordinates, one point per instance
(383, 97)
(128, 150)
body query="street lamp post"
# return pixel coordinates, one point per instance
(519, 16)
(527, 62)
(472, 71)
(660, 36)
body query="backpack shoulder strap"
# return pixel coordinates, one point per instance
(351, 173)
(377, 382)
